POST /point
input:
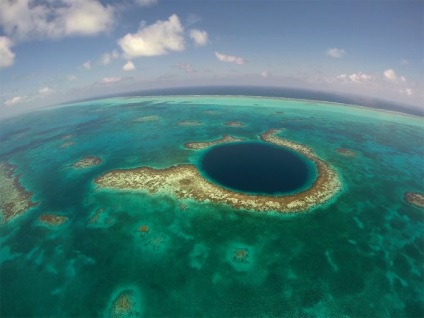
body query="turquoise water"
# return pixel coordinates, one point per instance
(360, 256)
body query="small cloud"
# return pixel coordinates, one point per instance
(188, 68)
(192, 19)
(264, 74)
(199, 37)
(7, 57)
(336, 53)
(109, 80)
(129, 66)
(107, 58)
(407, 91)
(230, 58)
(390, 75)
(146, 3)
(13, 101)
(72, 78)
(157, 39)
(404, 62)
(45, 90)
(87, 65)
(356, 78)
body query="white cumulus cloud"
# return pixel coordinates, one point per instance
(407, 91)
(129, 66)
(354, 77)
(336, 53)
(185, 67)
(109, 80)
(7, 57)
(87, 65)
(264, 74)
(230, 58)
(156, 39)
(45, 90)
(107, 57)
(146, 3)
(33, 19)
(390, 75)
(200, 37)
(13, 101)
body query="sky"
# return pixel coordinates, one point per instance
(53, 51)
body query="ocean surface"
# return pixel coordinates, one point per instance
(360, 255)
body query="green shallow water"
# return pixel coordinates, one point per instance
(358, 256)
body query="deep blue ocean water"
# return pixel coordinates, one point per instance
(360, 255)
(257, 168)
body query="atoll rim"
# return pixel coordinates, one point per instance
(185, 182)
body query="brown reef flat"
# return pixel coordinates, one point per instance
(14, 199)
(234, 124)
(185, 182)
(53, 219)
(206, 144)
(415, 198)
(87, 162)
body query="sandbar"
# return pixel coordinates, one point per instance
(185, 182)
(415, 198)
(14, 198)
(206, 144)
(87, 162)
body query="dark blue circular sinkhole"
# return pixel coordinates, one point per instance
(258, 167)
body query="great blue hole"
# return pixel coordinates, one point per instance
(257, 168)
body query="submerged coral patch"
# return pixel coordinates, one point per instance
(190, 123)
(206, 144)
(143, 119)
(53, 219)
(415, 198)
(14, 198)
(234, 124)
(87, 162)
(185, 182)
(125, 303)
(346, 152)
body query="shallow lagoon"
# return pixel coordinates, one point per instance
(360, 255)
